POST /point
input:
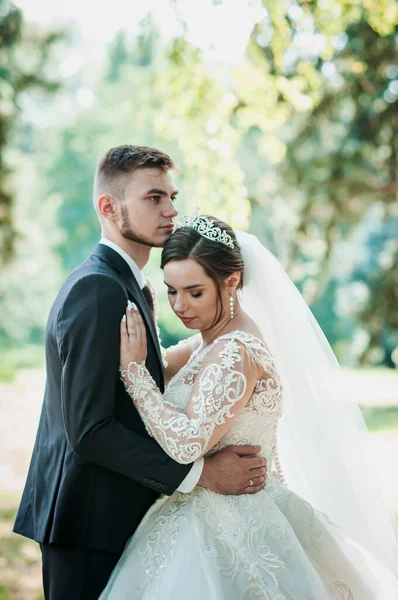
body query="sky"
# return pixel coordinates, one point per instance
(222, 30)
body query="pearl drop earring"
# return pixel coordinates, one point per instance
(231, 306)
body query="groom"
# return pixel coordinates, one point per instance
(95, 471)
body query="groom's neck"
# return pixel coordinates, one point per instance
(138, 252)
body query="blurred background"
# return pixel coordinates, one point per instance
(282, 115)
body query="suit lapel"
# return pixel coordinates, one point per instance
(117, 262)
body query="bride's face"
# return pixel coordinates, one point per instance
(192, 293)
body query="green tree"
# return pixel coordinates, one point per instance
(343, 157)
(147, 42)
(119, 56)
(173, 102)
(328, 150)
(24, 57)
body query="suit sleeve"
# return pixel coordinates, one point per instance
(89, 342)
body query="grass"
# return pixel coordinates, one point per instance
(12, 360)
(20, 561)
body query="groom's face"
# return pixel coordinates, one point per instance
(147, 209)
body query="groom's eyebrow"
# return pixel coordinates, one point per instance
(161, 192)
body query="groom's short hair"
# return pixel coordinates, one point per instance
(118, 163)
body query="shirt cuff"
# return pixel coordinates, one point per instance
(191, 480)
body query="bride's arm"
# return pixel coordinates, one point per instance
(175, 357)
(221, 390)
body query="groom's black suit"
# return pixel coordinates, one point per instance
(95, 470)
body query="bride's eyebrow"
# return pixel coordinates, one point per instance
(188, 287)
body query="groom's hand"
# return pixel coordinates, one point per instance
(235, 470)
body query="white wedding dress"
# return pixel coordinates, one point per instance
(272, 545)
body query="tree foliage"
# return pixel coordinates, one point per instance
(24, 54)
(167, 99)
(337, 163)
(295, 142)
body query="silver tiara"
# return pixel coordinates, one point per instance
(205, 227)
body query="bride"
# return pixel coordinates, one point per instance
(259, 372)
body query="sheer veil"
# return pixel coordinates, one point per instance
(322, 435)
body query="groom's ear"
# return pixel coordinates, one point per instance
(232, 282)
(107, 207)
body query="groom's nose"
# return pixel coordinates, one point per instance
(170, 210)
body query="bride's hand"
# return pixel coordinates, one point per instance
(133, 345)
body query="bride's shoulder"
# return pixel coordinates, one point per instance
(248, 340)
(249, 337)
(245, 329)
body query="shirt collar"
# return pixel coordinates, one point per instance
(138, 274)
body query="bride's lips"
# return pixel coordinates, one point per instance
(187, 319)
(167, 227)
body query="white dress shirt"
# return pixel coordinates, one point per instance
(195, 473)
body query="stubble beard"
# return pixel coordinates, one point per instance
(130, 233)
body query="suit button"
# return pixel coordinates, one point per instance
(159, 485)
(152, 482)
(165, 487)
(145, 480)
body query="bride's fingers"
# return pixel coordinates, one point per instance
(139, 327)
(130, 317)
(124, 343)
(136, 323)
(124, 339)
(136, 334)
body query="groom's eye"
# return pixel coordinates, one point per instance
(156, 199)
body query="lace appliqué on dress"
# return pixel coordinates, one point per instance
(218, 386)
(340, 591)
(156, 555)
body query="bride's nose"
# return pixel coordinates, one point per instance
(180, 304)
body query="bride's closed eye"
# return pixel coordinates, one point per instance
(194, 295)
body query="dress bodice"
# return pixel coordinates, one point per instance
(258, 422)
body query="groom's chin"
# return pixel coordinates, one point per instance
(155, 242)
(162, 243)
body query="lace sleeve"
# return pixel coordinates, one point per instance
(220, 392)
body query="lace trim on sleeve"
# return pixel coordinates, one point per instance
(219, 386)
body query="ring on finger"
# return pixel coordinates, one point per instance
(251, 482)
(132, 334)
